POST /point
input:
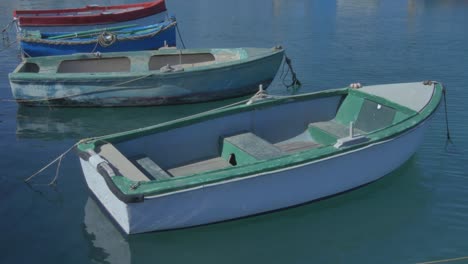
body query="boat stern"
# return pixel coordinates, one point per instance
(98, 176)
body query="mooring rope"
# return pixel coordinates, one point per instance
(443, 260)
(8, 46)
(295, 83)
(8, 26)
(106, 39)
(100, 138)
(180, 36)
(449, 140)
(59, 160)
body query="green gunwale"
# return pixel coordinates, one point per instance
(247, 55)
(166, 186)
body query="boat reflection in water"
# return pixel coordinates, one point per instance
(76, 123)
(107, 245)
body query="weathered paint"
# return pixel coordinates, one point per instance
(138, 87)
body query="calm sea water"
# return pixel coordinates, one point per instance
(418, 213)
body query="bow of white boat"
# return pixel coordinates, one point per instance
(411, 95)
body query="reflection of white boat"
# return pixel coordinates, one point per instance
(257, 157)
(104, 236)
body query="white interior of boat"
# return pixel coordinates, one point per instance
(263, 134)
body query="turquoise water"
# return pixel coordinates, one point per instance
(417, 213)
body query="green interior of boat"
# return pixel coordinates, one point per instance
(236, 153)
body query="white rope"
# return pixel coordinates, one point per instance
(258, 95)
(443, 260)
(59, 159)
(100, 138)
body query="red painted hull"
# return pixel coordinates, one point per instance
(89, 15)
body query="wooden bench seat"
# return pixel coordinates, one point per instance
(125, 167)
(152, 168)
(254, 146)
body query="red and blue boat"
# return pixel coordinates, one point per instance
(91, 15)
(123, 38)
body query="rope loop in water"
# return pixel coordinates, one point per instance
(295, 83)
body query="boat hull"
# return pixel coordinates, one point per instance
(89, 15)
(130, 89)
(33, 48)
(152, 19)
(259, 193)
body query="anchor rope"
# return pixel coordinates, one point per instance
(180, 36)
(101, 138)
(8, 25)
(449, 140)
(8, 46)
(295, 83)
(59, 160)
(443, 260)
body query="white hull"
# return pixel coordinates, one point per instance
(257, 193)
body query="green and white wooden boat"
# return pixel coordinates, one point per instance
(165, 76)
(268, 154)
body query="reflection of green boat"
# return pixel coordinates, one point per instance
(253, 158)
(167, 76)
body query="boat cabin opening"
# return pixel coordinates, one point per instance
(156, 62)
(118, 64)
(29, 67)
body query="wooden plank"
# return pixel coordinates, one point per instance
(297, 146)
(200, 166)
(121, 163)
(254, 146)
(153, 169)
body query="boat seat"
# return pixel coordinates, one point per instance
(125, 167)
(153, 169)
(249, 148)
(328, 132)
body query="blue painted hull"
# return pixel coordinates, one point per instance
(66, 47)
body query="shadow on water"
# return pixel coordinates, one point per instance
(329, 224)
(75, 123)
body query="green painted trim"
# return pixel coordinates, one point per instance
(155, 188)
(400, 116)
(349, 109)
(49, 64)
(382, 101)
(242, 157)
(321, 137)
(86, 146)
(126, 135)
